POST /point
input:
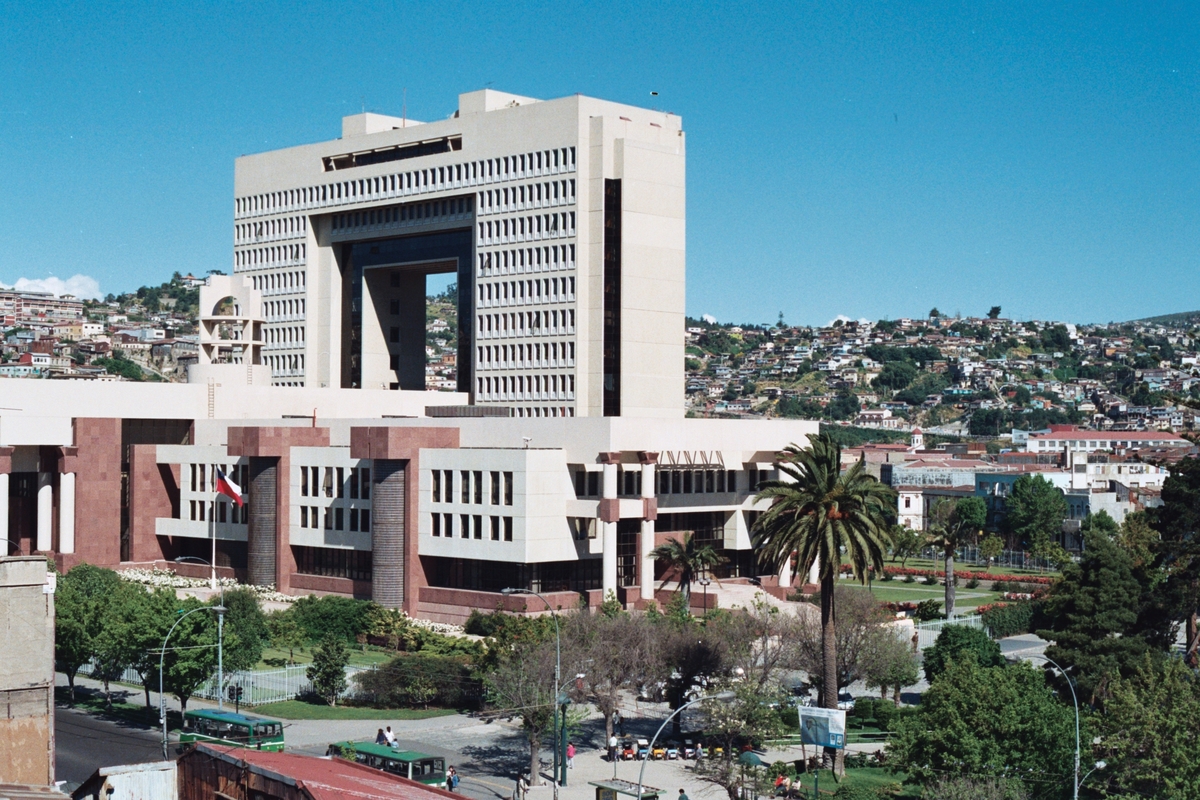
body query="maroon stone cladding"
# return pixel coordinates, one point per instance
(405, 443)
(320, 584)
(97, 466)
(153, 493)
(610, 509)
(455, 605)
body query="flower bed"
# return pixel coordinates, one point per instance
(168, 579)
(964, 574)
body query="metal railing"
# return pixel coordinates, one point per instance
(927, 632)
(258, 686)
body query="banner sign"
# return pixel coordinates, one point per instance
(823, 727)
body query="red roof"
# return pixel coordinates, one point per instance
(333, 778)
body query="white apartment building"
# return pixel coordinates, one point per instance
(563, 221)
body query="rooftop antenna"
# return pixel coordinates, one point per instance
(526, 440)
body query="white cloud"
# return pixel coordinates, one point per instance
(710, 319)
(82, 286)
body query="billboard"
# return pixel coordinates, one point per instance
(823, 727)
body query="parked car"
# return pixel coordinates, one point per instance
(628, 752)
(659, 753)
(643, 749)
(689, 749)
(672, 751)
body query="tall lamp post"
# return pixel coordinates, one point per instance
(724, 696)
(220, 609)
(1075, 699)
(557, 681)
(162, 709)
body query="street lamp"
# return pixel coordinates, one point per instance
(14, 543)
(220, 609)
(1099, 765)
(162, 711)
(1075, 699)
(557, 681)
(723, 696)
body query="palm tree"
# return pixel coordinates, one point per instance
(689, 560)
(951, 523)
(821, 514)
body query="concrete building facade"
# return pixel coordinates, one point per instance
(26, 672)
(562, 220)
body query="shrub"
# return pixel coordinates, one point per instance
(418, 681)
(343, 617)
(956, 640)
(910, 579)
(887, 576)
(930, 580)
(973, 583)
(1008, 619)
(999, 586)
(855, 791)
(928, 610)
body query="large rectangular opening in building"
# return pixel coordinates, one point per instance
(385, 327)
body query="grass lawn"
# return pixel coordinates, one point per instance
(998, 569)
(899, 591)
(298, 709)
(872, 777)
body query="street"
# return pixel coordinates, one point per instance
(84, 742)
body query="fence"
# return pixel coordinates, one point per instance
(258, 686)
(927, 632)
(1013, 559)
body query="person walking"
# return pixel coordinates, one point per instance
(380, 738)
(682, 795)
(522, 786)
(570, 755)
(612, 748)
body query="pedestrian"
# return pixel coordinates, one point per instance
(682, 795)
(612, 748)
(389, 736)
(522, 786)
(451, 779)
(570, 755)
(380, 738)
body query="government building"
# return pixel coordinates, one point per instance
(562, 460)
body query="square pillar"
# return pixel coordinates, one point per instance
(649, 462)
(45, 512)
(66, 512)
(609, 514)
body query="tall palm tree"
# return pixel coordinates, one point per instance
(689, 560)
(821, 514)
(951, 524)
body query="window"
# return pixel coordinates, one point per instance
(508, 529)
(436, 521)
(437, 486)
(328, 519)
(193, 479)
(508, 488)
(354, 519)
(338, 514)
(365, 484)
(495, 489)
(448, 482)
(303, 481)
(593, 482)
(341, 482)
(328, 485)
(448, 526)
(364, 520)
(465, 478)
(495, 529)
(303, 516)
(354, 485)
(478, 520)
(908, 502)
(465, 525)
(478, 480)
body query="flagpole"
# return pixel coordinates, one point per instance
(212, 523)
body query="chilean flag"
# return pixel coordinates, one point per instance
(228, 488)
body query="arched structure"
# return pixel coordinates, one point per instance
(231, 343)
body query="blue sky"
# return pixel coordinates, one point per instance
(866, 159)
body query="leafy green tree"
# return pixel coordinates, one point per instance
(343, 617)
(991, 547)
(1091, 616)
(934, 313)
(956, 642)
(620, 651)
(906, 543)
(116, 642)
(986, 422)
(952, 524)
(980, 722)
(844, 406)
(1148, 733)
(1178, 549)
(245, 630)
(285, 633)
(744, 718)
(819, 512)
(896, 375)
(328, 670)
(960, 788)
(191, 657)
(77, 612)
(155, 615)
(522, 685)
(687, 561)
(890, 663)
(994, 312)
(1035, 511)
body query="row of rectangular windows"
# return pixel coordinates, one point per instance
(533, 323)
(336, 482)
(520, 229)
(284, 228)
(205, 475)
(333, 562)
(433, 179)
(443, 525)
(670, 481)
(542, 411)
(283, 308)
(527, 259)
(222, 510)
(545, 290)
(526, 387)
(335, 516)
(471, 485)
(402, 213)
(286, 366)
(527, 356)
(519, 198)
(293, 336)
(280, 254)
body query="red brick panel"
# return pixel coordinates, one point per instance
(153, 493)
(610, 509)
(97, 492)
(273, 442)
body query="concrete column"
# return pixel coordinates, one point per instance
(649, 516)
(388, 535)
(8, 548)
(66, 512)
(45, 511)
(814, 573)
(785, 572)
(263, 521)
(609, 514)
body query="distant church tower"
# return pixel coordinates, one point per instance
(918, 439)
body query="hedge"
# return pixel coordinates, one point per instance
(1008, 619)
(417, 680)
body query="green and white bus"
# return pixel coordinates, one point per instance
(236, 730)
(419, 767)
